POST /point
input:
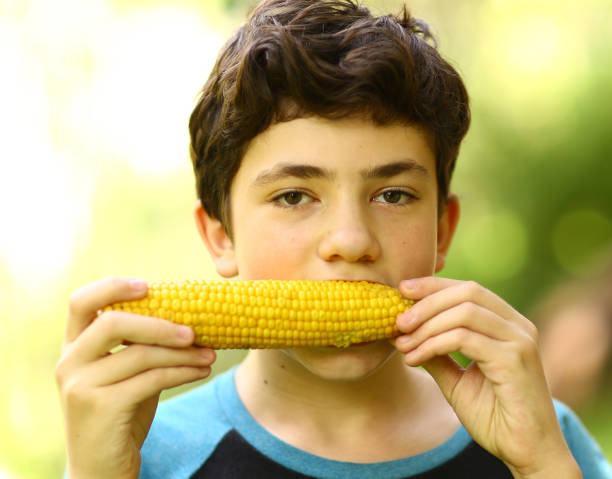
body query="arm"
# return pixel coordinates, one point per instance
(109, 399)
(502, 398)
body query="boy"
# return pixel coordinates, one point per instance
(323, 145)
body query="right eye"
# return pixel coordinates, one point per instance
(292, 198)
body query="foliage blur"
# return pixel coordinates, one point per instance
(96, 179)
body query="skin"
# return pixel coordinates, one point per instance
(109, 400)
(315, 199)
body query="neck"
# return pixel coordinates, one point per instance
(293, 403)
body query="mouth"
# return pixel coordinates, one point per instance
(342, 340)
(351, 346)
(357, 280)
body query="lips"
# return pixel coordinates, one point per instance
(354, 280)
(365, 343)
(354, 345)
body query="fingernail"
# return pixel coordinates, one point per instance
(408, 284)
(207, 354)
(184, 332)
(404, 319)
(402, 342)
(138, 285)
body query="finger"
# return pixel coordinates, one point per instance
(467, 315)
(88, 300)
(446, 372)
(139, 358)
(113, 328)
(439, 294)
(500, 361)
(475, 346)
(418, 288)
(152, 382)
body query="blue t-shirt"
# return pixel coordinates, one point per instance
(208, 433)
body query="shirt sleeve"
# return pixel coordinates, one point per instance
(586, 451)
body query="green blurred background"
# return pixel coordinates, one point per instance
(94, 101)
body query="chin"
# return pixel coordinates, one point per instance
(353, 363)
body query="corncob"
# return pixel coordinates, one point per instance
(255, 314)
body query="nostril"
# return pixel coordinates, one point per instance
(352, 245)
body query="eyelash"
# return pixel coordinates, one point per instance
(408, 196)
(278, 199)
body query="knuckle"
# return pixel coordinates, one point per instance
(109, 321)
(81, 298)
(109, 325)
(161, 377)
(523, 349)
(63, 367)
(60, 372)
(530, 346)
(140, 354)
(472, 288)
(76, 302)
(461, 336)
(74, 393)
(468, 309)
(533, 331)
(459, 339)
(468, 342)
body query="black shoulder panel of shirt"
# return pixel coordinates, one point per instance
(235, 458)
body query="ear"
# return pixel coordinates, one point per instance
(217, 242)
(446, 229)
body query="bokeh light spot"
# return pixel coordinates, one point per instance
(534, 46)
(576, 235)
(147, 79)
(495, 246)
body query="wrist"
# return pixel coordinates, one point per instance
(561, 469)
(73, 473)
(69, 475)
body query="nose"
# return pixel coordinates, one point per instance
(349, 237)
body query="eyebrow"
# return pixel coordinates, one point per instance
(284, 170)
(390, 170)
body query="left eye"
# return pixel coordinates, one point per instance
(394, 197)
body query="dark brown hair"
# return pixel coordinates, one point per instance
(329, 58)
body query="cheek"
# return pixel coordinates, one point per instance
(413, 246)
(270, 254)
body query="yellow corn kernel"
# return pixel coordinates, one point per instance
(275, 312)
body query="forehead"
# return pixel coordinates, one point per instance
(337, 145)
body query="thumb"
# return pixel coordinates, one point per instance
(446, 372)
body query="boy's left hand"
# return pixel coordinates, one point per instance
(502, 398)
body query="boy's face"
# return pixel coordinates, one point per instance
(343, 199)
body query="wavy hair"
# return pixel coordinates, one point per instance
(327, 58)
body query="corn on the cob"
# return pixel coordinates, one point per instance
(254, 314)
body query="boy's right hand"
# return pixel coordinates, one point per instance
(109, 399)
